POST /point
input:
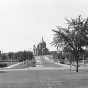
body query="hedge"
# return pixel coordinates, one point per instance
(3, 65)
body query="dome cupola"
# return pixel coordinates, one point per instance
(43, 42)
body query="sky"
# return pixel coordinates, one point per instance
(24, 22)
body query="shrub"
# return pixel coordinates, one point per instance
(3, 65)
(61, 62)
(32, 63)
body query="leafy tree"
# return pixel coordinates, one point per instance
(10, 54)
(67, 50)
(24, 55)
(3, 57)
(75, 36)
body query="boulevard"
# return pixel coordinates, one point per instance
(43, 63)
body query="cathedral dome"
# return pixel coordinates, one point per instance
(41, 48)
(42, 42)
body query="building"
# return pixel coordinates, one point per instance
(40, 49)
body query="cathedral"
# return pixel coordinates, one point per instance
(40, 49)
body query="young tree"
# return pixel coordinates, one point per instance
(75, 36)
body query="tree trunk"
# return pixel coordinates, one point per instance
(77, 63)
(70, 62)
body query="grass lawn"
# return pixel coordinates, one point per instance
(49, 64)
(44, 79)
(22, 65)
(9, 63)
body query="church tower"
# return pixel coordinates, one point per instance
(40, 49)
(42, 44)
